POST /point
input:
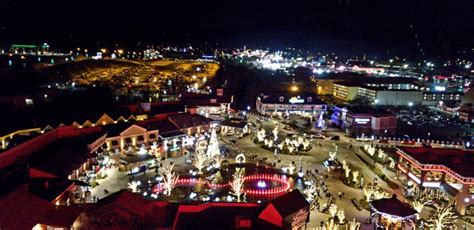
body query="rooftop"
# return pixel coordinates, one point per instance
(366, 110)
(216, 215)
(393, 206)
(458, 160)
(234, 122)
(187, 120)
(291, 98)
(67, 152)
(21, 210)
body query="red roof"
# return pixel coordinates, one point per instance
(393, 206)
(127, 204)
(459, 160)
(21, 210)
(36, 173)
(284, 206)
(187, 120)
(217, 215)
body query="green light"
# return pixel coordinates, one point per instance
(23, 46)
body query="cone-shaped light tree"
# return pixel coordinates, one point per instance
(213, 146)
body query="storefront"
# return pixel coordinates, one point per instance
(391, 213)
(289, 211)
(449, 170)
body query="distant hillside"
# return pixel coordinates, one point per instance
(66, 71)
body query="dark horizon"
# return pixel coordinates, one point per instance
(422, 29)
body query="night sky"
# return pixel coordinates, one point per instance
(442, 28)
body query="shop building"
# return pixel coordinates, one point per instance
(306, 104)
(449, 170)
(357, 121)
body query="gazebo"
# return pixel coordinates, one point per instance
(391, 213)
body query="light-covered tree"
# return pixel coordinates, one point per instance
(300, 140)
(291, 168)
(270, 143)
(170, 178)
(369, 191)
(333, 210)
(306, 144)
(213, 146)
(355, 176)
(280, 146)
(260, 135)
(275, 133)
(347, 172)
(218, 159)
(309, 191)
(237, 184)
(290, 148)
(442, 218)
(134, 186)
(354, 225)
(341, 216)
(418, 205)
(333, 153)
(381, 154)
(420, 201)
(331, 225)
(200, 160)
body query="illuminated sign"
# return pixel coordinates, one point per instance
(431, 184)
(362, 121)
(295, 100)
(299, 219)
(414, 178)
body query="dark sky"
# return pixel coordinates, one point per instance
(440, 27)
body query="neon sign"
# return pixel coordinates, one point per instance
(362, 121)
(295, 100)
(299, 219)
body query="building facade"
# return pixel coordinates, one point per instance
(383, 96)
(449, 170)
(358, 121)
(345, 91)
(307, 104)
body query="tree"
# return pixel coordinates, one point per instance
(354, 225)
(443, 217)
(170, 178)
(369, 192)
(333, 154)
(275, 133)
(306, 144)
(355, 176)
(419, 201)
(260, 135)
(290, 148)
(200, 160)
(309, 191)
(330, 225)
(237, 184)
(341, 216)
(134, 185)
(213, 146)
(333, 210)
(218, 159)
